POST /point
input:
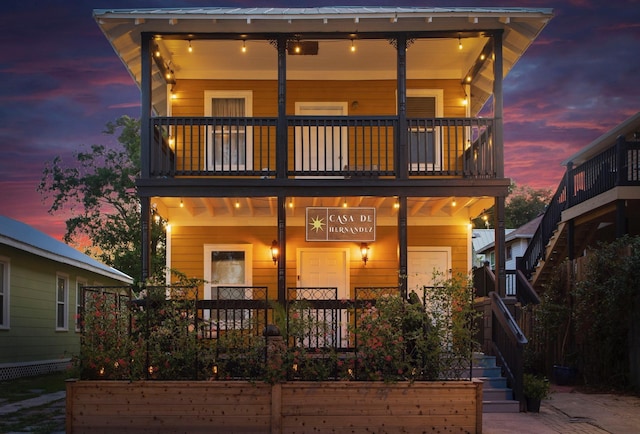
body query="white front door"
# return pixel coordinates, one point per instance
(421, 264)
(326, 268)
(321, 148)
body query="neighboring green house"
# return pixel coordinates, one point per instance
(40, 279)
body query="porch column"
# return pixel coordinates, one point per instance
(282, 243)
(402, 153)
(501, 274)
(621, 218)
(402, 246)
(571, 234)
(498, 105)
(145, 111)
(145, 160)
(145, 237)
(281, 128)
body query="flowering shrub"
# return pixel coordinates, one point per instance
(386, 339)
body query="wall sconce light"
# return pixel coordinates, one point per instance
(364, 251)
(275, 251)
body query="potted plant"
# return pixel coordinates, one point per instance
(535, 390)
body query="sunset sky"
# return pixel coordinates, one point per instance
(61, 82)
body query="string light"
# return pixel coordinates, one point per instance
(453, 202)
(190, 49)
(459, 43)
(181, 204)
(353, 46)
(237, 204)
(291, 203)
(244, 46)
(344, 204)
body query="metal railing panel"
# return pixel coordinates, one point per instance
(320, 146)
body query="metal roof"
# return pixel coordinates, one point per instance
(630, 128)
(325, 10)
(436, 58)
(24, 237)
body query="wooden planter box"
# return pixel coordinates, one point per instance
(296, 407)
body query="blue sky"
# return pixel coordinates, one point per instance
(61, 82)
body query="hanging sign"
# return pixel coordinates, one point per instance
(340, 224)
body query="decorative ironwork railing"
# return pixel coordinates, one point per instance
(170, 333)
(321, 146)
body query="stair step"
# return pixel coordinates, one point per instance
(493, 382)
(492, 394)
(501, 406)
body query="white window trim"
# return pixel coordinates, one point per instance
(247, 95)
(248, 269)
(79, 282)
(332, 108)
(6, 296)
(65, 326)
(438, 94)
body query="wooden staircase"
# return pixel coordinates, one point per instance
(496, 396)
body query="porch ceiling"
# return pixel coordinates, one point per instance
(263, 211)
(221, 57)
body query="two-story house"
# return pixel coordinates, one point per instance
(321, 147)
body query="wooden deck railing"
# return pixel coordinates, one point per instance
(618, 165)
(321, 146)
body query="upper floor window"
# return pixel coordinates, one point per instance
(229, 140)
(4, 293)
(424, 138)
(509, 253)
(62, 296)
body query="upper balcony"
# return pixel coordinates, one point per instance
(386, 92)
(344, 146)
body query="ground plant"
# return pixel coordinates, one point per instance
(606, 303)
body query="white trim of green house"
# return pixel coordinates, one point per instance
(33, 338)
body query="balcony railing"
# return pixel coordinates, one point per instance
(321, 146)
(618, 165)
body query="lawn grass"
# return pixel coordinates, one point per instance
(30, 387)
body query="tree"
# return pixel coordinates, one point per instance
(525, 203)
(100, 191)
(522, 205)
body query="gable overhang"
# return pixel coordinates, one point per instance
(216, 34)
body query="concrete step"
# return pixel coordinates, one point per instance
(479, 371)
(501, 406)
(493, 382)
(489, 394)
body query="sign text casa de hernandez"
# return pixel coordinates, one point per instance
(340, 224)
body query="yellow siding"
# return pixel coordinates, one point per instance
(373, 97)
(381, 270)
